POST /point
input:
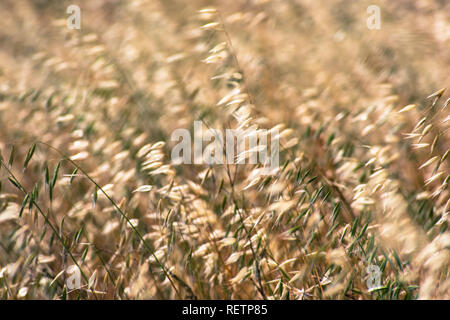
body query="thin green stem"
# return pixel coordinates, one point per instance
(149, 249)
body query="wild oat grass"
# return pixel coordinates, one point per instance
(86, 177)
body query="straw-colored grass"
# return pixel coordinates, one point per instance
(86, 177)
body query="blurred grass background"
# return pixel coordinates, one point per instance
(134, 73)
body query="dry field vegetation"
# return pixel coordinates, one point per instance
(86, 118)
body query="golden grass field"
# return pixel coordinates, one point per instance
(88, 186)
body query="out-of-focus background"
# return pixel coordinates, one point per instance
(361, 196)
